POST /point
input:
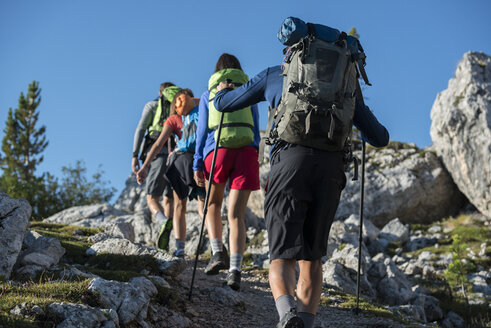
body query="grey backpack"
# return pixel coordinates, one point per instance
(318, 98)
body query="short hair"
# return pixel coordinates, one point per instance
(227, 61)
(165, 85)
(187, 92)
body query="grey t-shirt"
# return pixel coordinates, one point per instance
(145, 122)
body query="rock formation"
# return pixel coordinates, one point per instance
(461, 128)
(14, 218)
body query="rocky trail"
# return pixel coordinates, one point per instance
(213, 304)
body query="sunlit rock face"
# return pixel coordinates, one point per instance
(461, 128)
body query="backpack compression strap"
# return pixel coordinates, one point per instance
(266, 138)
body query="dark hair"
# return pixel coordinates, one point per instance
(227, 61)
(165, 85)
(180, 92)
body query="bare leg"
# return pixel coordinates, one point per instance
(153, 203)
(282, 277)
(168, 204)
(309, 286)
(214, 214)
(237, 202)
(179, 218)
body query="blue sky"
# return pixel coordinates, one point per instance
(99, 62)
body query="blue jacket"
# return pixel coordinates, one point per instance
(268, 86)
(205, 138)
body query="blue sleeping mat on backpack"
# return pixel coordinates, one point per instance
(294, 29)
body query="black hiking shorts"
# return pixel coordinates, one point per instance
(302, 196)
(156, 184)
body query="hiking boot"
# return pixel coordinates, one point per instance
(233, 280)
(179, 253)
(164, 235)
(218, 261)
(290, 320)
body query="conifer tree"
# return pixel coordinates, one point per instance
(22, 146)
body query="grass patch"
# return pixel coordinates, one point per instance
(75, 244)
(392, 247)
(41, 293)
(348, 301)
(122, 267)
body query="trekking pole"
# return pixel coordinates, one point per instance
(360, 239)
(207, 197)
(359, 97)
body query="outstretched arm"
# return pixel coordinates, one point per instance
(156, 148)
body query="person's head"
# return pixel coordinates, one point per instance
(227, 61)
(183, 103)
(163, 86)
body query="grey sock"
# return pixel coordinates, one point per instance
(308, 319)
(216, 245)
(180, 244)
(284, 303)
(235, 262)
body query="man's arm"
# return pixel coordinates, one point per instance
(156, 148)
(143, 124)
(250, 93)
(371, 130)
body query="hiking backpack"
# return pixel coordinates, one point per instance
(237, 127)
(187, 143)
(319, 88)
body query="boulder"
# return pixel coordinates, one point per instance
(14, 218)
(430, 304)
(132, 198)
(409, 184)
(392, 286)
(461, 128)
(40, 253)
(168, 264)
(395, 231)
(129, 299)
(80, 315)
(93, 216)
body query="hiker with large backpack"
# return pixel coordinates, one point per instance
(150, 125)
(182, 122)
(236, 161)
(312, 96)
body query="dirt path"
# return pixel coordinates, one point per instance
(213, 304)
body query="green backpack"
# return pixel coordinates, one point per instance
(318, 97)
(237, 127)
(162, 112)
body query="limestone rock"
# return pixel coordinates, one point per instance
(395, 231)
(86, 216)
(392, 286)
(81, 315)
(461, 128)
(168, 264)
(132, 198)
(40, 253)
(409, 184)
(129, 299)
(14, 218)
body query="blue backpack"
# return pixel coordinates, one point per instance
(187, 143)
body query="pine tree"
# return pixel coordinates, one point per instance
(22, 146)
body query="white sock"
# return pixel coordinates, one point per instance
(216, 245)
(235, 262)
(160, 217)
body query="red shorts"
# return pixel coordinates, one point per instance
(240, 165)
